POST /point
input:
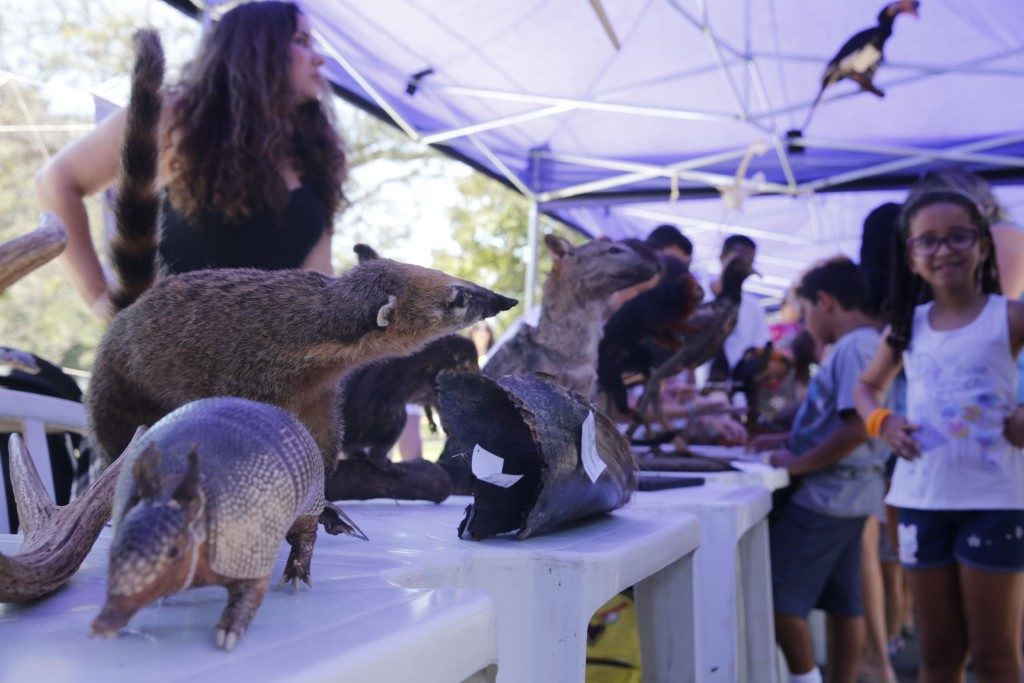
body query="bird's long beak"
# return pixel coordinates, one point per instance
(910, 7)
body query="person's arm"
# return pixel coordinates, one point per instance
(84, 167)
(319, 257)
(767, 442)
(1009, 244)
(840, 443)
(867, 396)
(1014, 427)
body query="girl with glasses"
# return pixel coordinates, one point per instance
(959, 482)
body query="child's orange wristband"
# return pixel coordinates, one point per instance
(874, 422)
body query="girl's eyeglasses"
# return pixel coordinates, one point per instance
(958, 239)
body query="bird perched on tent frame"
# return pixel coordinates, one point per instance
(859, 57)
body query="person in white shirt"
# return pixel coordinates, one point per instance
(751, 325)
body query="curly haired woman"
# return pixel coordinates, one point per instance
(250, 166)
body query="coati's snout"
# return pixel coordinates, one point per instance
(480, 302)
(466, 303)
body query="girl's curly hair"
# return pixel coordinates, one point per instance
(909, 289)
(235, 125)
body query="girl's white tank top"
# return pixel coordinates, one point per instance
(962, 383)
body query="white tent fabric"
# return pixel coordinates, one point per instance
(589, 108)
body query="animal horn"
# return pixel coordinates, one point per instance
(22, 255)
(57, 539)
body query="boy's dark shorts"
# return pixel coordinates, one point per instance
(816, 563)
(989, 540)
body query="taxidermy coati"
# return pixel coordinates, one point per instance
(282, 337)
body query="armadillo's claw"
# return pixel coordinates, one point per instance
(226, 640)
(337, 522)
(295, 572)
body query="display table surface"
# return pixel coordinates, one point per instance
(546, 588)
(397, 608)
(736, 636)
(353, 625)
(752, 468)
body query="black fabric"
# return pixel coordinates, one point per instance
(261, 241)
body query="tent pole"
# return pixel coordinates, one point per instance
(532, 230)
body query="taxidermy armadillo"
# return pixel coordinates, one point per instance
(204, 498)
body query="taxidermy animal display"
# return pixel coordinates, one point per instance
(281, 337)
(703, 334)
(57, 539)
(372, 402)
(543, 454)
(564, 343)
(205, 497)
(21, 255)
(646, 329)
(859, 57)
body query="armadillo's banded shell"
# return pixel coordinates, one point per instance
(260, 470)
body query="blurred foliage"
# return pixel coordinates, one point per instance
(47, 50)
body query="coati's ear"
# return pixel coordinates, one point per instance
(365, 252)
(146, 472)
(456, 297)
(558, 246)
(188, 490)
(386, 311)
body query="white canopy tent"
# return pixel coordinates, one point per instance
(617, 115)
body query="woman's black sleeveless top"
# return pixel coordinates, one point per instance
(261, 240)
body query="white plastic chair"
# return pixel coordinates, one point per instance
(34, 416)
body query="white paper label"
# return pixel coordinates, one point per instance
(487, 467)
(592, 462)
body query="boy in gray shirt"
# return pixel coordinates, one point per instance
(815, 541)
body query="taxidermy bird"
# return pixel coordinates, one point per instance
(646, 330)
(703, 334)
(859, 57)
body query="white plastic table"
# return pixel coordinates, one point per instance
(736, 636)
(351, 626)
(546, 588)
